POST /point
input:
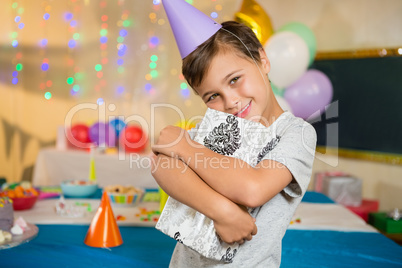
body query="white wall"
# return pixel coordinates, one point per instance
(342, 24)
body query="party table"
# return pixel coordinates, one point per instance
(53, 166)
(322, 234)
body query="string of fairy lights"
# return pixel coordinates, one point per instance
(94, 81)
(19, 25)
(46, 84)
(123, 23)
(71, 18)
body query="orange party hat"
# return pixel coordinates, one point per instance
(103, 231)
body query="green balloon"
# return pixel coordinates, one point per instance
(277, 91)
(305, 33)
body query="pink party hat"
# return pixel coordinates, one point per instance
(190, 26)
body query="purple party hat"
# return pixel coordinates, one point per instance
(190, 26)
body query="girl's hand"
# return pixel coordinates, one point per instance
(172, 141)
(235, 225)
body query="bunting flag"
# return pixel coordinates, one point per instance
(10, 131)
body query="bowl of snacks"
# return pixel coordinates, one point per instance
(23, 195)
(124, 195)
(78, 188)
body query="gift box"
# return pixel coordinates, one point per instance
(382, 222)
(227, 135)
(366, 207)
(343, 190)
(319, 178)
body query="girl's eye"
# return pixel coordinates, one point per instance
(234, 80)
(213, 96)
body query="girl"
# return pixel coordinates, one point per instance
(229, 72)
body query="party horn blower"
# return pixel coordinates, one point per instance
(103, 231)
(92, 172)
(163, 199)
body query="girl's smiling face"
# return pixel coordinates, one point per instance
(238, 86)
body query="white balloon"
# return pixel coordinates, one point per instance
(289, 57)
(283, 103)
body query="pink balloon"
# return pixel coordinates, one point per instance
(310, 94)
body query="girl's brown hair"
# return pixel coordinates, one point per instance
(232, 36)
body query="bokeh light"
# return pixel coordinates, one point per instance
(76, 88)
(100, 101)
(73, 93)
(154, 58)
(103, 32)
(154, 73)
(120, 39)
(48, 95)
(154, 40)
(46, 16)
(45, 66)
(103, 39)
(43, 42)
(98, 67)
(78, 76)
(185, 92)
(123, 32)
(70, 80)
(148, 87)
(121, 53)
(68, 16)
(120, 90)
(152, 65)
(72, 43)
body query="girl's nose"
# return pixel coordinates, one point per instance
(231, 102)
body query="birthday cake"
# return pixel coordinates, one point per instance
(6, 214)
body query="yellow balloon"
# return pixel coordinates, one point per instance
(254, 16)
(184, 124)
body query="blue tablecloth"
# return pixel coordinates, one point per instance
(63, 246)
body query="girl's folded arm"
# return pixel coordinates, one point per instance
(236, 179)
(180, 182)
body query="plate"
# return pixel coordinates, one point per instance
(30, 233)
